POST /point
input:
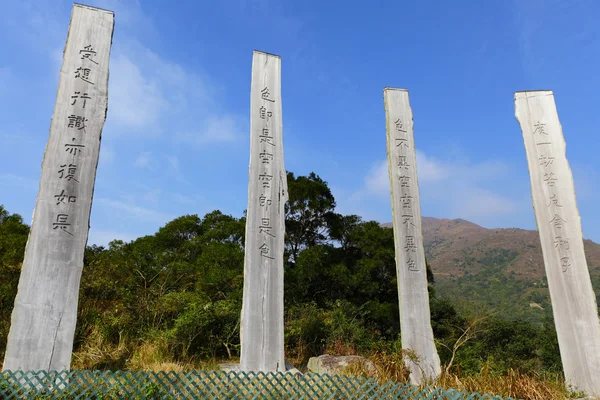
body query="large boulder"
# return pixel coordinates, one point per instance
(333, 365)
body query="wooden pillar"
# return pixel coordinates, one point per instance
(415, 318)
(261, 330)
(45, 312)
(559, 225)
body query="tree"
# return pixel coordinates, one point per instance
(341, 229)
(471, 331)
(308, 213)
(13, 238)
(179, 231)
(318, 276)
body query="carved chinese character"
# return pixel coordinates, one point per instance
(83, 74)
(87, 53)
(561, 243)
(264, 201)
(404, 180)
(266, 157)
(549, 179)
(399, 126)
(402, 162)
(68, 172)
(64, 198)
(539, 129)
(264, 251)
(264, 114)
(406, 201)
(410, 244)
(546, 160)
(265, 94)
(78, 95)
(74, 149)
(265, 227)
(565, 262)
(61, 223)
(412, 265)
(76, 121)
(266, 180)
(265, 138)
(402, 143)
(407, 220)
(557, 221)
(553, 200)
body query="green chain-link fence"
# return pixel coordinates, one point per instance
(209, 385)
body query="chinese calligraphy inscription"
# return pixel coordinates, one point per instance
(415, 320)
(262, 304)
(553, 195)
(45, 311)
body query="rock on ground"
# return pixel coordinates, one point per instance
(327, 364)
(235, 367)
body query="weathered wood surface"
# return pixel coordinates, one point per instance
(415, 319)
(261, 330)
(559, 225)
(45, 312)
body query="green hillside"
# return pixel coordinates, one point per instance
(175, 296)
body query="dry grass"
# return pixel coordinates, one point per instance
(97, 353)
(514, 384)
(154, 355)
(340, 347)
(390, 367)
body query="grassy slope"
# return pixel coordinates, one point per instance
(500, 270)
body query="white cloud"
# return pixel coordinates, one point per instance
(586, 179)
(152, 196)
(183, 199)
(143, 160)
(216, 129)
(459, 187)
(177, 172)
(455, 186)
(135, 211)
(127, 12)
(549, 45)
(39, 24)
(148, 91)
(220, 129)
(11, 180)
(107, 155)
(174, 161)
(429, 169)
(148, 94)
(135, 100)
(56, 57)
(377, 180)
(475, 203)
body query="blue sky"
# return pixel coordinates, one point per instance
(176, 139)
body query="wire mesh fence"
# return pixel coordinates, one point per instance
(211, 385)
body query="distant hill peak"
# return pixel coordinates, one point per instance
(432, 222)
(455, 247)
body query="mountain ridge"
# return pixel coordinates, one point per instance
(457, 247)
